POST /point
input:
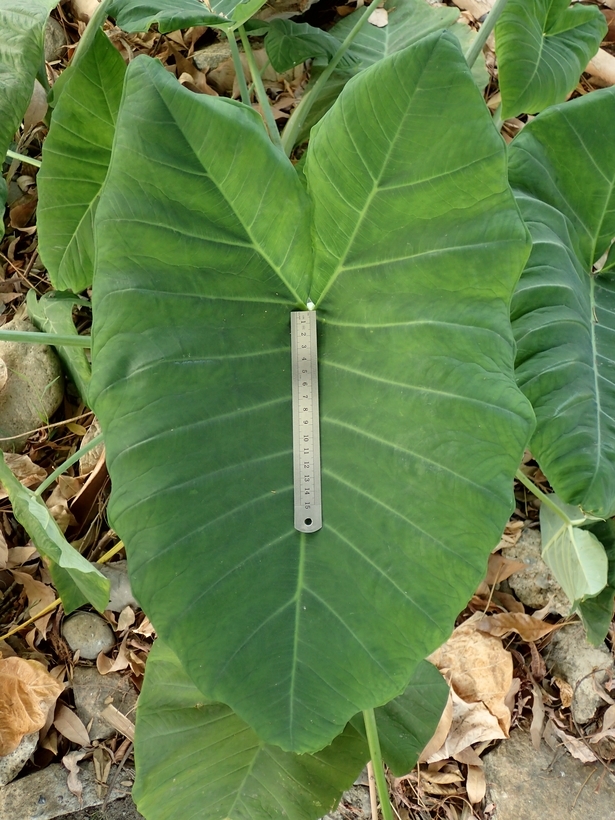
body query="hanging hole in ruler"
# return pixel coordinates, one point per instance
(307, 522)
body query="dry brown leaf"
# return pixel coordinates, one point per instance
(39, 596)
(566, 691)
(442, 777)
(500, 568)
(18, 556)
(69, 724)
(71, 763)
(478, 668)
(37, 108)
(28, 473)
(476, 785)
(576, 747)
(608, 719)
(538, 667)
(126, 619)
(602, 66)
(471, 723)
(507, 601)
(105, 665)
(84, 9)
(529, 628)
(4, 552)
(538, 716)
(27, 693)
(441, 733)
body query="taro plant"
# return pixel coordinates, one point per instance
(285, 660)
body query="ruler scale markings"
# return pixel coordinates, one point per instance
(306, 424)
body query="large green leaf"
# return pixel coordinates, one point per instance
(76, 156)
(597, 612)
(22, 24)
(80, 580)
(196, 758)
(407, 723)
(201, 253)
(53, 313)
(288, 44)
(563, 172)
(408, 22)
(170, 15)
(542, 47)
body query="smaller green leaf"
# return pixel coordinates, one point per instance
(53, 313)
(171, 15)
(288, 44)
(597, 613)
(196, 758)
(407, 723)
(575, 556)
(47, 537)
(542, 47)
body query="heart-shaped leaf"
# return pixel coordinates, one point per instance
(76, 156)
(575, 556)
(196, 758)
(171, 15)
(82, 581)
(419, 245)
(597, 612)
(288, 44)
(563, 173)
(542, 47)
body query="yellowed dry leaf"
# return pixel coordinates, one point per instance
(478, 668)
(476, 785)
(71, 763)
(19, 555)
(4, 552)
(441, 733)
(28, 473)
(126, 619)
(608, 719)
(442, 777)
(39, 596)
(78, 429)
(500, 568)
(529, 628)
(27, 693)
(507, 601)
(69, 724)
(538, 716)
(105, 665)
(566, 692)
(576, 747)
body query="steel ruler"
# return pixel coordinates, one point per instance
(306, 423)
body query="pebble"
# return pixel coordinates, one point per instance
(93, 692)
(55, 40)
(13, 763)
(88, 633)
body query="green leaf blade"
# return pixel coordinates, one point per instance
(172, 15)
(288, 44)
(188, 305)
(198, 758)
(79, 578)
(543, 46)
(562, 312)
(76, 156)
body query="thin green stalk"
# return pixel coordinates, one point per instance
(34, 337)
(497, 117)
(484, 31)
(23, 158)
(527, 482)
(373, 742)
(260, 90)
(241, 77)
(68, 463)
(299, 115)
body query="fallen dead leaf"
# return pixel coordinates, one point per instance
(126, 619)
(69, 724)
(18, 556)
(4, 552)
(40, 595)
(576, 747)
(608, 719)
(478, 668)
(566, 692)
(529, 628)
(27, 693)
(500, 568)
(538, 716)
(28, 473)
(602, 67)
(476, 784)
(105, 665)
(379, 18)
(507, 601)
(71, 763)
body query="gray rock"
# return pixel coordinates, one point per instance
(93, 692)
(571, 657)
(31, 387)
(535, 586)
(11, 765)
(55, 40)
(211, 57)
(88, 633)
(45, 795)
(121, 594)
(526, 784)
(90, 460)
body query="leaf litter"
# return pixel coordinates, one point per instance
(493, 662)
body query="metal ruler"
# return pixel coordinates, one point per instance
(306, 424)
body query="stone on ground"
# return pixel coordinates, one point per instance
(13, 763)
(93, 692)
(88, 633)
(535, 585)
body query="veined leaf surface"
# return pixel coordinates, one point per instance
(196, 758)
(76, 156)
(563, 173)
(171, 15)
(597, 612)
(419, 245)
(543, 47)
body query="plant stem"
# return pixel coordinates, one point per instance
(68, 463)
(23, 158)
(260, 90)
(299, 115)
(376, 756)
(484, 31)
(497, 117)
(55, 339)
(527, 482)
(241, 77)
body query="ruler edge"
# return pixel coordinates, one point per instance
(294, 318)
